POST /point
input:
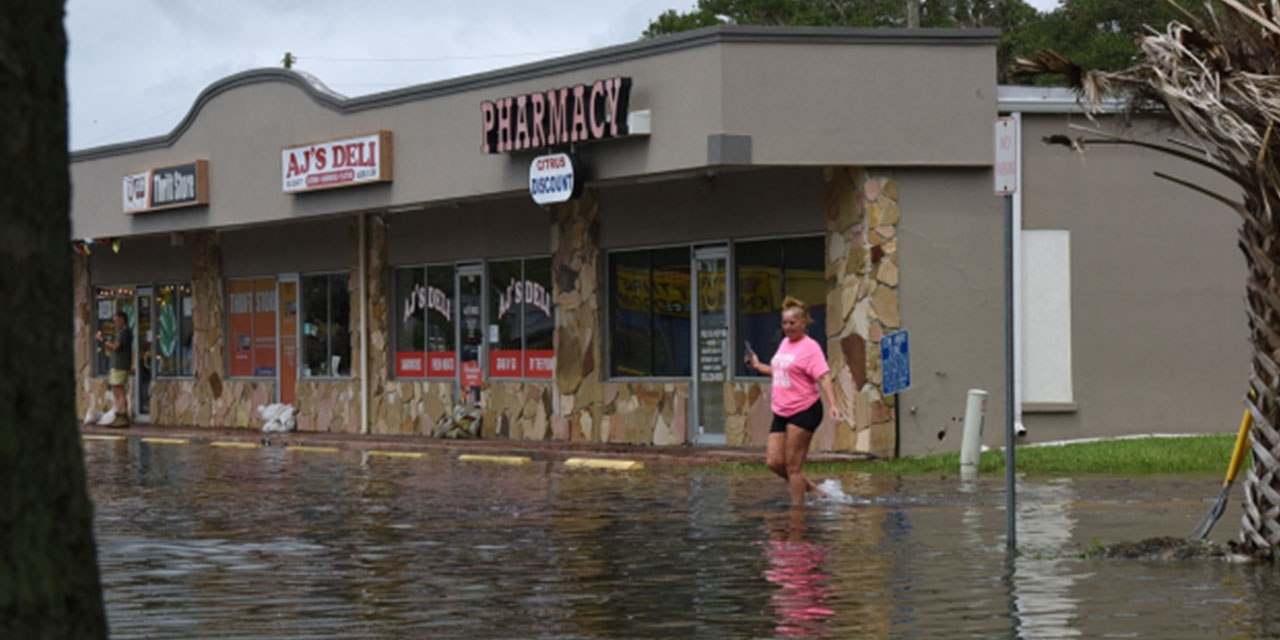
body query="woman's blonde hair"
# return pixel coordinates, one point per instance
(792, 302)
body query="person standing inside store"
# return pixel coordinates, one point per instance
(121, 346)
(799, 369)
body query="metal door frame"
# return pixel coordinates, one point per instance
(708, 252)
(135, 400)
(461, 270)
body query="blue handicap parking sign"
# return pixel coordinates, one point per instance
(896, 359)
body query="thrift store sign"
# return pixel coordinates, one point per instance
(183, 185)
(580, 113)
(337, 163)
(554, 178)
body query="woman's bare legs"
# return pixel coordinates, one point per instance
(785, 448)
(797, 448)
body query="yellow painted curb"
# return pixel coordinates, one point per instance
(94, 436)
(166, 440)
(399, 454)
(473, 457)
(236, 445)
(604, 463)
(300, 447)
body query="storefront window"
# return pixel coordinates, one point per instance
(521, 326)
(108, 300)
(649, 312)
(769, 271)
(424, 322)
(174, 330)
(326, 321)
(251, 327)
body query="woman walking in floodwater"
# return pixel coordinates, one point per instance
(798, 368)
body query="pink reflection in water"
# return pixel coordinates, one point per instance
(795, 567)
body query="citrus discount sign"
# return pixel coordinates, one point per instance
(554, 178)
(1006, 156)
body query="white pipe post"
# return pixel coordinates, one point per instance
(975, 415)
(1018, 427)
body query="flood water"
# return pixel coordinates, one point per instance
(201, 542)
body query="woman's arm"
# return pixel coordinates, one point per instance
(825, 383)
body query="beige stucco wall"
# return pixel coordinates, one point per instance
(952, 302)
(1159, 333)
(733, 81)
(886, 105)
(1158, 330)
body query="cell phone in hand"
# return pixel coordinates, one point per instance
(749, 352)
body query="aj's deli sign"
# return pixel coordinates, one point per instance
(579, 113)
(331, 164)
(183, 185)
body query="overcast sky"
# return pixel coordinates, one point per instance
(135, 67)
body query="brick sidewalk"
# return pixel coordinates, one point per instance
(652, 455)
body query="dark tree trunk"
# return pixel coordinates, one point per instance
(49, 585)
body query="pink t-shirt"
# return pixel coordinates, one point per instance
(796, 368)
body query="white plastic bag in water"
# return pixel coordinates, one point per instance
(108, 417)
(92, 416)
(277, 417)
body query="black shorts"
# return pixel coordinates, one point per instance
(809, 419)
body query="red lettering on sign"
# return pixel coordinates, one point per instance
(441, 364)
(539, 363)
(597, 114)
(471, 374)
(504, 363)
(410, 364)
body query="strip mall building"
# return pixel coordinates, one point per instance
(584, 245)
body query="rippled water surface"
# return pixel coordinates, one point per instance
(201, 542)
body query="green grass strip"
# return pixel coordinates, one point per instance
(1136, 456)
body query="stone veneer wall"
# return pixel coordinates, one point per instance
(516, 410)
(861, 210)
(645, 413)
(577, 393)
(747, 412)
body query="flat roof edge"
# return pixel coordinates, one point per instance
(1037, 99)
(723, 34)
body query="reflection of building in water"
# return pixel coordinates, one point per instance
(1042, 580)
(863, 574)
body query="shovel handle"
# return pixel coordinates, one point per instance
(1242, 442)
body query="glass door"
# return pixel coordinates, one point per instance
(144, 352)
(711, 342)
(470, 287)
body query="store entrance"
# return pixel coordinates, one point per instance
(144, 354)
(470, 339)
(711, 342)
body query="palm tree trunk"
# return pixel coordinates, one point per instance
(49, 586)
(1260, 525)
(1219, 80)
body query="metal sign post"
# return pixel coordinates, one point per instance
(1006, 175)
